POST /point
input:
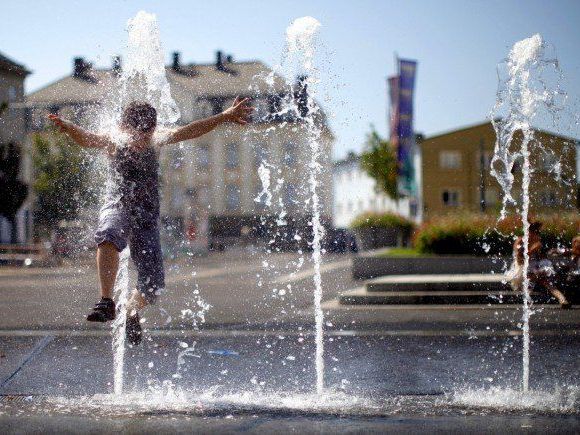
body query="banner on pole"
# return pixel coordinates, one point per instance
(401, 90)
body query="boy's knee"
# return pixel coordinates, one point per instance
(106, 245)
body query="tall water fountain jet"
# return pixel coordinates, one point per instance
(142, 79)
(526, 91)
(301, 42)
(121, 294)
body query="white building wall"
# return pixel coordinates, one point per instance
(354, 193)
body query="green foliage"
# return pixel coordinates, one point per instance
(403, 252)
(476, 234)
(61, 179)
(379, 161)
(382, 220)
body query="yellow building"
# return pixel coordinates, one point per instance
(456, 173)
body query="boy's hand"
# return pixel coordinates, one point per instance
(239, 112)
(59, 122)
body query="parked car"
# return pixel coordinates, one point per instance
(340, 240)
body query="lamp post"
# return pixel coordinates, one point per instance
(482, 178)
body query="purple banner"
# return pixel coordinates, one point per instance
(402, 136)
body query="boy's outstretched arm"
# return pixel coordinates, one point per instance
(82, 137)
(238, 113)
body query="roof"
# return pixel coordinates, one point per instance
(7, 64)
(91, 88)
(488, 124)
(204, 80)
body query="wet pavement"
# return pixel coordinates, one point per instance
(250, 366)
(257, 381)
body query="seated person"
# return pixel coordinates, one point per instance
(540, 271)
(567, 266)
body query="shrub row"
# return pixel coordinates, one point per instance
(475, 234)
(382, 220)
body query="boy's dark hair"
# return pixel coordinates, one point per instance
(139, 116)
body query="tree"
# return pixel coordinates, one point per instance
(379, 161)
(14, 191)
(61, 182)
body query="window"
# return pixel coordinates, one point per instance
(289, 157)
(232, 197)
(491, 196)
(450, 159)
(548, 161)
(548, 198)
(203, 108)
(450, 198)
(518, 165)
(203, 196)
(290, 194)
(259, 199)
(487, 157)
(232, 158)
(177, 198)
(261, 154)
(176, 158)
(261, 110)
(218, 105)
(202, 155)
(12, 93)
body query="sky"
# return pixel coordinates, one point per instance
(457, 44)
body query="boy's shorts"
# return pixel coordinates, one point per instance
(139, 229)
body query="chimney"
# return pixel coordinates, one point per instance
(175, 66)
(80, 67)
(219, 63)
(117, 65)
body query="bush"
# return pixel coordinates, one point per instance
(483, 235)
(382, 220)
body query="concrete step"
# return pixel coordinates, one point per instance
(360, 296)
(443, 282)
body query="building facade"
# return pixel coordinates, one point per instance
(214, 178)
(15, 161)
(456, 173)
(355, 193)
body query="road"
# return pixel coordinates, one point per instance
(241, 287)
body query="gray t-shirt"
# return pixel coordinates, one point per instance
(136, 180)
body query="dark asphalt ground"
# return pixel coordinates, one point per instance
(250, 366)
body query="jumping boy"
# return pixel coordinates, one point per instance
(130, 214)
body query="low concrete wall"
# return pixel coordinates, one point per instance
(371, 266)
(375, 238)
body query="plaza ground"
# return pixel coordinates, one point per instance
(250, 366)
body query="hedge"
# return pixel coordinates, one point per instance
(476, 234)
(382, 220)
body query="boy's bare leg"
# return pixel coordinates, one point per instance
(559, 296)
(108, 265)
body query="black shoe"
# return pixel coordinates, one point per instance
(103, 311)
(133, 330)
